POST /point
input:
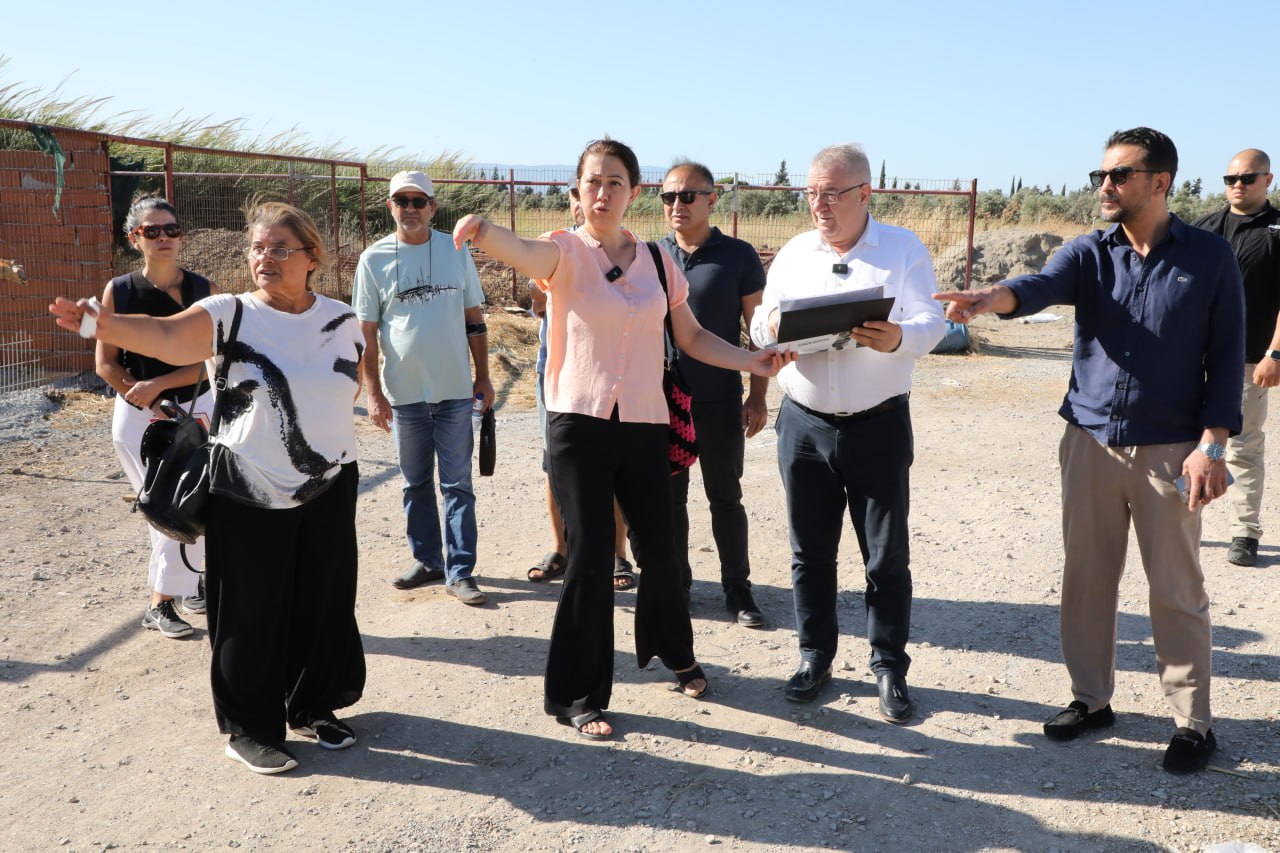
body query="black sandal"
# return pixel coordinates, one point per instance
(683, 679)
(549, 568)
(624, 575)
(581, 721)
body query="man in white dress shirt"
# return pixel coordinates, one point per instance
(844, 428)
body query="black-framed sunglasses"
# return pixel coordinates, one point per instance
(151, 232)
(417, 202)
(685, 196)
(1119, 175)
(1246, 178)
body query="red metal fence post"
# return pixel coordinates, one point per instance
(168, 172)
(973, 215)
(511, 200)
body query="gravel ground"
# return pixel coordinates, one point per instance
(111, 742)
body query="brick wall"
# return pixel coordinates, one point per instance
(63, 254)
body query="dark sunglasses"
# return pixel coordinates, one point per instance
(417, 202)
(685, 196)
(151, 232)
(1247, 178)
(1118, 175)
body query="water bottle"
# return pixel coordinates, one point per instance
(477, 415)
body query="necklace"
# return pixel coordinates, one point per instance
(431, 277)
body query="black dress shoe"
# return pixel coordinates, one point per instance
(805, 684)
(1075, 720)
(739, 601)
(895, 701)
(417, 575)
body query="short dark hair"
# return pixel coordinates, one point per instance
(692, 166)
(1160, 155)
(607, 147)
(574, 194)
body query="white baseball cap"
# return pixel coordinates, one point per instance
(411, 181)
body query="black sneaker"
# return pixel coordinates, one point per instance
(258, 756)
(165, 619)
(194, 604)
(1243, 551)
(328, 731)
(1189, 751)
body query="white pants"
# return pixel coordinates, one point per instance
(1246, 459)
(166, 573)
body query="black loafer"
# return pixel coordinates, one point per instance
(805, 684)
(1075, 720)
(895, 701)
(741, 603)
(1189, 751)
(417, 575)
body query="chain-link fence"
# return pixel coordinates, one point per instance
(64, 195)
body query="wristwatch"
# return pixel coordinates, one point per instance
(1216, 452)
(1274, 353)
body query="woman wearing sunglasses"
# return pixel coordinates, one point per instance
(607, 428)
(280, 519)
(160, 289)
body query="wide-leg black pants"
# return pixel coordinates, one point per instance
(281, 592)
(591, 461)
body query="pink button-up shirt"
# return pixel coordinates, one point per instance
(605, 338)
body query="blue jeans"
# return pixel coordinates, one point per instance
(424, 433)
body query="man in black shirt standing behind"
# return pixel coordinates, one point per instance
(1252, 226)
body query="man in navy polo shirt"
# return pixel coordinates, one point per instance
(725, 282)
(1154, 393)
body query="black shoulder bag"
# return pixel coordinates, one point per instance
(176, 451)
(682, 439)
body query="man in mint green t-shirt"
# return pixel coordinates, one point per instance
(421, 307)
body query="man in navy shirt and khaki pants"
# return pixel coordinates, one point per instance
(1155, 392)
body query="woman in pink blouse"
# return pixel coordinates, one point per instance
(607, 428)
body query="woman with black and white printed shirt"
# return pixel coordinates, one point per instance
(280, 528)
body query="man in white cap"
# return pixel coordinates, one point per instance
(420, 306)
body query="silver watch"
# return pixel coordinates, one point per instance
(1215, 451)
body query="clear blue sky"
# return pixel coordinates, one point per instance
(935, 89)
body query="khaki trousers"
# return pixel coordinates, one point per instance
(1246, 459)
(1103, 488)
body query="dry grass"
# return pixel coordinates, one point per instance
(513, 357)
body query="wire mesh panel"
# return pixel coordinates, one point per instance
(55, 226)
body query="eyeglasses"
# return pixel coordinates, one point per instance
(172, 229)
(275, 253)
(685, 196)
(829, 196)
(1119, 175)
(1246, 178)
(417, 202)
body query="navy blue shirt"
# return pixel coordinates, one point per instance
(1159, 343)
(721, 271)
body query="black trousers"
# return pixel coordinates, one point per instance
(593, 460)
(864, 464)
(721, 447)
(281, 593)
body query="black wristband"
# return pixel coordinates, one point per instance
(476, 329)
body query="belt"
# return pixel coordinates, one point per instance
(853, 417)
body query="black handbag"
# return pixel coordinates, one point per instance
(682, 438)
(176, 452)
